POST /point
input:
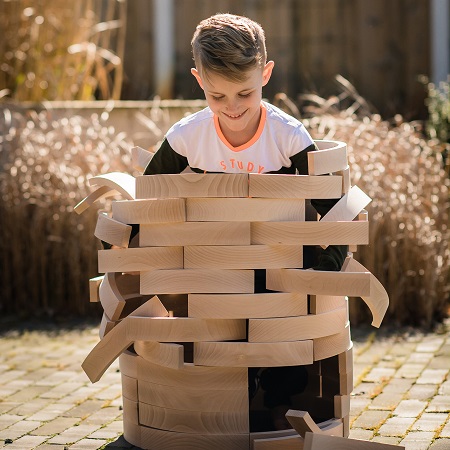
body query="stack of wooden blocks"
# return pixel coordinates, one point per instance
(181, 313)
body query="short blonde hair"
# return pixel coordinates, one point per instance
(228, 45)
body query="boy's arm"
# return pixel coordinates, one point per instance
(333, 256)
(166, 160)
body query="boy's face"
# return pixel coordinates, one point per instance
(236, 104)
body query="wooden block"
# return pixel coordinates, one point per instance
(167, 355)
(243, 256)
(94, 285)
(297, 328)
(327, 346)
(223, 422)
(244, 209)
(303, 423)
(111, 299)
(271, 435)
(148, 211)
(346, 181)
(331, 157)
(348, 207)
(246, 306)
(318, 282)
(192, 185)
(343, 383)
(140, 259)
(319, 304)
(246, 354)
(341, 406)
(98, 194)
(315, 441)
(279, 443)
(130, 411)
(191, 399)
(345, 360)
(294, 186)
(201, 281)
(184, 329)
(194, 233)
(129, 388)
(377, 300)
(346, 422)
(123, 183)
(310, 233)
(112, 231)
(128, 364)
(140, 158)
(106, 325)
(128, 284)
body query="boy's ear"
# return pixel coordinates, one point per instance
(197, 76)
(267, 72)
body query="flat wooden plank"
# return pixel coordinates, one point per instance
(184, 329)
(319, 304)
(185, 185)
(348, 207)
(310, 233)
(98, 194)
(346, 179)
(243, 256)
(247, 354)
(331, 157)
(150, 210)
(294, 186)
(297, 328)
(162, 354)
(112, 231)
(246, 306)
(327, 346)
(192, 399)
(140, 259)
(315, 441)
(194, 233)
(140, 158)
(201, 281)
(223, 422)
(294, 442)
(94, 285)
(123, 183)
(318, 282)
(244, 209)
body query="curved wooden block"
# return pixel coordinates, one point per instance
(121, 182)
(302, 422)
(140, 158)
(378, 300)
(167, 355)
(322, 442)
(325, 347)
(331, 157)
(246, 354)
(101, 192)
(111, 299)
(112, 231)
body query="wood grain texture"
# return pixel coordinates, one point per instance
(318, 282)
(94, 285)
(123, 183)
(294, 186)
(310, 233)
(197, 281)
(246, 306)
(341, 406)
(194, 233)
(106, 325)
(140, 158)
(150, 210)
(98, 194)
(140, 259)
(111, 299)
(112, 231)
(319, 304)
(161, 354)
(331, 157)
(293, 442)
(297, 328)
(303, 423)
(345, 360)
(246, 354)
(244, 209)
(327, 346)
(323, 442)
(129, 388)
(243, 256)
(184, 185)
(346, 179)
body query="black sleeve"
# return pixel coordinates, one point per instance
(333, 256)
(166, 160)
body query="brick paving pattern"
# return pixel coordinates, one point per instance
(401, 395)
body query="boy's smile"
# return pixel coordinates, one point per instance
(236, 104)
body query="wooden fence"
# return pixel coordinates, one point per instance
(380, 46)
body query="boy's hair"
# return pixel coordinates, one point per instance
(228, 45)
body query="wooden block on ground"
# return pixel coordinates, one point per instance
(341, 406)
(123, 183)
(318, 282)
(331, 157)
(140, 259)
(140, 158)
(112, 231)
(192, 185)
(246, 354)
(310, 233)
(226, 422)
(323, 442)
(294, 186)
(246, 306)
(297, 328)
(98, 194)
(319, 304)
(243, 256)
(244, 209)
(167, 355)
(150, 210)
(194, 233)
(348, 207)
(129, 388)
(327, 346)
(201, 281)
(192, 399)
(94, 285)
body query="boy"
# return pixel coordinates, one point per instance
(238, 132)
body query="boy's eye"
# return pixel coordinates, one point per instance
(217, 98)
(245, 95)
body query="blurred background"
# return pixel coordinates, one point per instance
(82, 83)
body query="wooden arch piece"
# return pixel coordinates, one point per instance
(121, 182)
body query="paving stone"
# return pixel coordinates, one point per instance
(420, 358)
(386, 440)
(371, 419)
(104, 415)
(51, 411)
(27, 442)
(6, 420)
(88, 444)
(418, 440)
(422, 391)
(56, 426)
(85, 409)
(396, 426)
(430, 345)
(398, 386)
(440, 362)
(30, 407)
(410, 370)
(444, 388)
(120, 443)
(361, 434)
(73, 434)
(379, 375)
(28, 393)
(19, 429)
(409, 408)
(439, 403)
(430, 422)
(445, 432)
(61, 390)
(386, 400)
(432, 376)
(440, 444)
